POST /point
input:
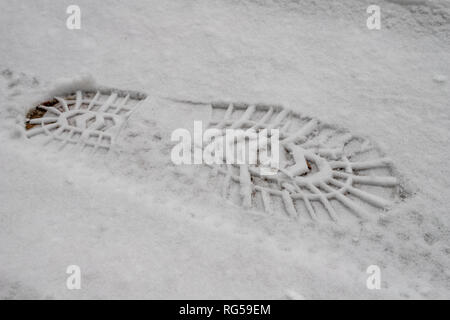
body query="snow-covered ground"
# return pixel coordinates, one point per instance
(139, 227)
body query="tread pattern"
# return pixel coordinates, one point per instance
(322, 167)
(85, 119)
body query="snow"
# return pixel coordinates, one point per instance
(140, 227)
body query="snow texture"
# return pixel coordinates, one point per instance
(140, 227)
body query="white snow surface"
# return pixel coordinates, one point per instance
(140, 227)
